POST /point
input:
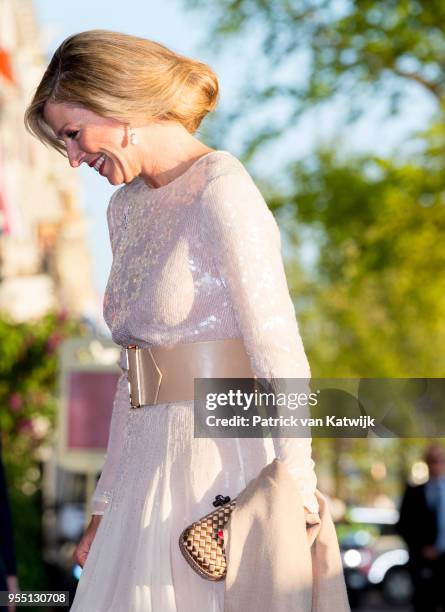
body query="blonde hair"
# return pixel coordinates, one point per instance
(123, 77)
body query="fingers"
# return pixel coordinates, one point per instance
(80, 554)
(82, 549)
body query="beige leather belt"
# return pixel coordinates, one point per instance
(164, 374)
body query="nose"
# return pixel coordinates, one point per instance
(75, 156)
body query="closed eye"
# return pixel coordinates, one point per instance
(72, 134)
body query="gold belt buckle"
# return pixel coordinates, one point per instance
(144, 376)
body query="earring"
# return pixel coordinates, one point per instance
(133, 137)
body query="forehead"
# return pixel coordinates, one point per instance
(58, 114)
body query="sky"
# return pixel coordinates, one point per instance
(183, 31)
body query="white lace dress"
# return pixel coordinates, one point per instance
(197, 259)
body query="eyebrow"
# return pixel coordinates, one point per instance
(59, 133)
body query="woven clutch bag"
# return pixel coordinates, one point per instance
(202, 543)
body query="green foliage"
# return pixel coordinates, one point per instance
(377, 288)
(28, 396)
(28, 379)
(371, 303)
(370, 298)
(327, 49)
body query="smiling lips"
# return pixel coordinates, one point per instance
(97, 163)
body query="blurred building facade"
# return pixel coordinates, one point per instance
(45, 262)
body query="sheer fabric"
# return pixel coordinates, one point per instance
(198, 259)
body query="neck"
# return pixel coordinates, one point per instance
(167, 150)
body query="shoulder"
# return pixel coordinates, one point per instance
(220, 163)
(231, 196)
(225, 171)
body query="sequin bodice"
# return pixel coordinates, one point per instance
(164, 287)
(200, 259)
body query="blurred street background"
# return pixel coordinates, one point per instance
(337, 110)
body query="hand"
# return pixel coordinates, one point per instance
(13, 587)
(83, 548)
(430, 552)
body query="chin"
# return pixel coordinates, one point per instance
(115, 180)
(114, 177)
(120, 179)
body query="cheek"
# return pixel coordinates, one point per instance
(88, 143)
(93, 141)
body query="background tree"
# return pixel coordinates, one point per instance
(311, 51)
(29, 370)
(364, 233)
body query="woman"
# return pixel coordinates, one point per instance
(196, 259)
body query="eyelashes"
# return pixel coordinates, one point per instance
(72, 134)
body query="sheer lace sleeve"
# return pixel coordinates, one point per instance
(247, 246)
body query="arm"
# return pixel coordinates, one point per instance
(247, 246)
(104, 488)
